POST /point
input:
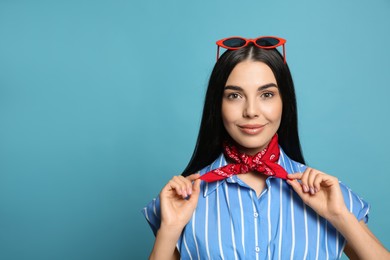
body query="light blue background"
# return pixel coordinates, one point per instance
(100, 103)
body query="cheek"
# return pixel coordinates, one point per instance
(228, 114)
(225, 113)
(273, 112)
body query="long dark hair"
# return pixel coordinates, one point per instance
(212, 133)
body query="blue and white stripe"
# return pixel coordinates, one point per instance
(231, 222)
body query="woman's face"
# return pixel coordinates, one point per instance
(251, 106)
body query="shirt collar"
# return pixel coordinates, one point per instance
(209, 187)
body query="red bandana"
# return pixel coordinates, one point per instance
(264, 162)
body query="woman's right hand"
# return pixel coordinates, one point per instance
(176, 208)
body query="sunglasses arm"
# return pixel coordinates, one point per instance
(217, 52)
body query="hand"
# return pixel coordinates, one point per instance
(322, 193)
(319, 191)
(176, 208)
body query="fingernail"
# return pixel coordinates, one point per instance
(189, 191)
(312, 190)
(305, 188)
(316, 190)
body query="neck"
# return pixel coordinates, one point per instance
(251, 151)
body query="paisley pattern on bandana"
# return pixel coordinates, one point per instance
(264, 162)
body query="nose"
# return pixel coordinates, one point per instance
(251, 109)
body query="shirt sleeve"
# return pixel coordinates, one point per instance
(355, 204)
(152, 214)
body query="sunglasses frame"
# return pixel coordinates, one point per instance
(282, 42)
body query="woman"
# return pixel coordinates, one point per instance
(253, 197)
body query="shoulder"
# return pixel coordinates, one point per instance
(152, 214)
(290, 165)
(220, 161)
(355, 204)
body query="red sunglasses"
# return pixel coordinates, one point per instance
(263, 42)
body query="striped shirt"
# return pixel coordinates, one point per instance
(231, 222)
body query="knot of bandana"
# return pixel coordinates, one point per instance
(264, 162)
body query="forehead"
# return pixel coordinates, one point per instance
(251, 73)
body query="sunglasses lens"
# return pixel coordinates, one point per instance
(234, 42)
(267, 42)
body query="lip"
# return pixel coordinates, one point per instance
(251, 129)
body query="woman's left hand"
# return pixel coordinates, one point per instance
(319, 191)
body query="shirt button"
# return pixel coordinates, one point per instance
(257, 249)
(255, 214)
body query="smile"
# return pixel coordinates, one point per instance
(251, 129)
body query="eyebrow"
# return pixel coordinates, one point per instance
(237, 88)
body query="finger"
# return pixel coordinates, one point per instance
(310, 180)
(172, 185)
(196, 190)
(188, 180)
(187, 190)
(295, 176)
(329, 180)
(304, 179)
(187, 186)
(317, 181)
(197, 186)
(297, 187)
(180, 184)
(193, 177)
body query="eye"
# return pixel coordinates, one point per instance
(233, 96)
(267, 95)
